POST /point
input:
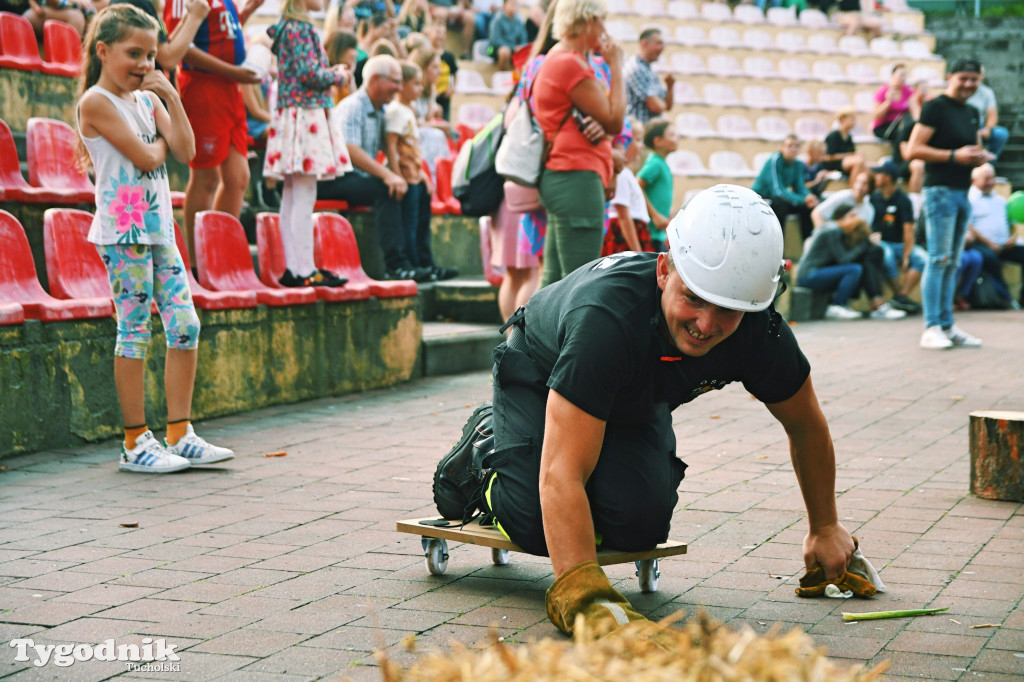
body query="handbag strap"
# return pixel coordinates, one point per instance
(548, 144)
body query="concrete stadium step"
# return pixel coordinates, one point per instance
(466, 299)
(456, 347)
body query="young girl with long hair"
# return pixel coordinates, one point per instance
(126, 132)
(303, 144)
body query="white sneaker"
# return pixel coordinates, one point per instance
(887, 312)
(149, 457)
(841, 312)
(960, 338)
(934, 338)
(198, 451)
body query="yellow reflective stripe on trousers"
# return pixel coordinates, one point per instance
(487, 496)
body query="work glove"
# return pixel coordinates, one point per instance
(814, 583)
(584, 590)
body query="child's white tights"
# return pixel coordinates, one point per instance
(297, 202)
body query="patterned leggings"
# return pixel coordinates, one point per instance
(140, 273)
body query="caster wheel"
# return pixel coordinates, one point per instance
(499, 556)
(647, 572)
(435, 553)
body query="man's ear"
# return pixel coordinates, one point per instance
(663, 272)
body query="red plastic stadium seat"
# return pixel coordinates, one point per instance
(270, 254)
(73, 265)
(203, 297)
(224, 262)
(19, 284)
(335, 249)
(13, 186)
(62, 49)
(18, 46)
(50, 148)
(444, 185)
(11, 313)
(437, 207)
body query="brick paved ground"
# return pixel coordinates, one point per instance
(289, 568)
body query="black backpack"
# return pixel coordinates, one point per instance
(475, 183)
(459, 478)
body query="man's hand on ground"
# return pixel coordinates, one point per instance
(585, 590)
(830, 548)
(823, 571)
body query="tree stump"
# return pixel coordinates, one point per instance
(996, 444)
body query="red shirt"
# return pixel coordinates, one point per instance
(220, 34)
(560, 73)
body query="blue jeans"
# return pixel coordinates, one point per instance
(967, 273)
(845, 279)
(482, 23)
(997, 140)
(894, 257)
(946, 214)
(416, 225)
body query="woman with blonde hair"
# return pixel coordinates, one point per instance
(434, 130)
(566, 92)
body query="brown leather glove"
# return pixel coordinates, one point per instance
(813, 583)
(585, 589)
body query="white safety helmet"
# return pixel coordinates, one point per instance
(727, 246)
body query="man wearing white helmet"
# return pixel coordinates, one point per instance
(584, 451)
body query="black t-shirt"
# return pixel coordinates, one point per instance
(835, 143)
(601, 337)
(955, 124)
(892, 214)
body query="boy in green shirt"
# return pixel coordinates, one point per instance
(655, 179)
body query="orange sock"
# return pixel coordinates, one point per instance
(175, 430)
(131, 433)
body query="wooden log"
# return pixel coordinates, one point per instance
(996, 469)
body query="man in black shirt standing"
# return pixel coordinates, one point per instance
(946, 139)
(894, 220)
(584, 387)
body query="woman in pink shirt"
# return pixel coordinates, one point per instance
(892, 101)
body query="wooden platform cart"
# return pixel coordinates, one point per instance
(435, 532)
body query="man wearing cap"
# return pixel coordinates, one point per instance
(946, 139)
(894, 220)
(584, 389)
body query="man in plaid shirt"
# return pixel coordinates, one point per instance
(373, 183)
(646, 97)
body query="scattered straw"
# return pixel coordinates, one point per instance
(641, 652)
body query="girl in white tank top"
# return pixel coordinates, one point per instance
(127, 133)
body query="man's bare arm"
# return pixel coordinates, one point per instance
(827, 543)
(572, 444)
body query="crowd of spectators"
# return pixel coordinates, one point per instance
(604, 114)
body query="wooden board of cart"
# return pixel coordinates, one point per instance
(435, 532)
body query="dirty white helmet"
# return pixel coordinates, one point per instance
(727, 246)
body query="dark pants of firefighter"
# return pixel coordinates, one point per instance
(632, 491)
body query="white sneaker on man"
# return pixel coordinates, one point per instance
(197, 451)
(960, 338)
(841, 312)
(934, 338)
(887, 312)
(149, 457)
